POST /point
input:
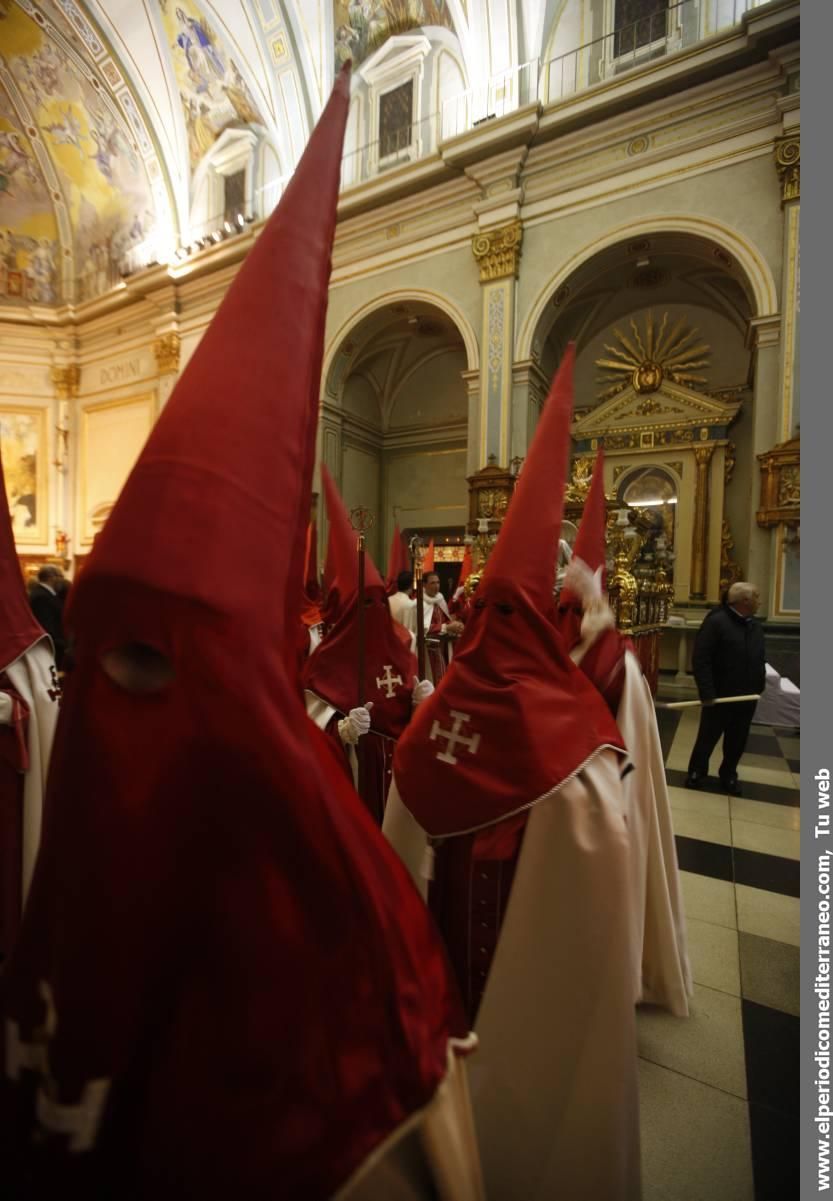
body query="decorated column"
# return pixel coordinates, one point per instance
(166, 351)
(497, 248)
(784, 599)
(699, 549)
(66, 380)
(498, 253)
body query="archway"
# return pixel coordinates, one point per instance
(679, 297)
(394, 419)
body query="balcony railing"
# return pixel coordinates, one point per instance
(668, 30)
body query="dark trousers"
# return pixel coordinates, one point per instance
(733, 722)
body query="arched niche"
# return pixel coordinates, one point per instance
(394, 419)
(238, 178)
(664, 294)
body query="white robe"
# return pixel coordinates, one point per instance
(661, 970)
(400, 605)
(32, 677)
(554, 1083)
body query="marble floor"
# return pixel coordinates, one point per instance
(719, 1091)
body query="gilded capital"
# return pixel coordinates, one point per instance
(66, 381)
(703, 454)
(788, 166)
(498, 251)
(166, 350)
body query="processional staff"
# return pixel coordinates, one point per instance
(361, 520)
(721, 700)
(417, 549)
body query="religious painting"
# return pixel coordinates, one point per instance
(104, 182)
(23, 447)
(213, 92)
(29, 249)
(362, 26)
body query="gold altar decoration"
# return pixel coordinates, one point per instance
(780, 485)
(579, 485)
(639, 588)
(646, 362)
(498, 251)
(730, 571)
(490, 490)
(575, 494)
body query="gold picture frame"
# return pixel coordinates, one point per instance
(24, 446)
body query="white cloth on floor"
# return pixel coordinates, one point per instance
(780, 704)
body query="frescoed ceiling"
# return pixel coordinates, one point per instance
(107, 107)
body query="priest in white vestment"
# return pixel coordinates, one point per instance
(441, 629)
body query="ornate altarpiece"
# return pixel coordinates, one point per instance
(655, 421)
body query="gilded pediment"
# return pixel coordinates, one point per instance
(671, 406)
(648, 380)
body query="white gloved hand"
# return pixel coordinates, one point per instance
(356, 723)
(598, 617)
(5, 709)
(422, 691)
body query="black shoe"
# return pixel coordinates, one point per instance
(732, 786)
(695, 781)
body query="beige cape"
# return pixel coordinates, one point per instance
(554, 1083)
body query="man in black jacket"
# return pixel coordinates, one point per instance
(47, 607)
(729, 660)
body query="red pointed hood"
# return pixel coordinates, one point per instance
(428, 559)
(312, 583)
(18, 628)
(590, 541)
(311, 602)
(398, 559)
(223, 937)
(603, 662)
(341, 571)
(529, 717)
(331, 671)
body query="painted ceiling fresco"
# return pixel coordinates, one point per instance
(213, 92)
(362, 26)
(76, 192)
(108, 107)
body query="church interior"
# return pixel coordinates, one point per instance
(517, 176)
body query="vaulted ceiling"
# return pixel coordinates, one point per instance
(108, 106)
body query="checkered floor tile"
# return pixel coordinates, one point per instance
(719, 1091)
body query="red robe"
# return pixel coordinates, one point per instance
(14, 761)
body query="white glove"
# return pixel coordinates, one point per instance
(356, 723)
(422, 691)
(598, 617)
(5, 709)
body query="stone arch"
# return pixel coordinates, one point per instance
(757, 273)
(401, 296)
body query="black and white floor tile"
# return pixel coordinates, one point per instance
(719, 1091)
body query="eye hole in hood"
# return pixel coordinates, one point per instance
(138, 668)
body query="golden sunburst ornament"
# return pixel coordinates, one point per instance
(644, 363)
